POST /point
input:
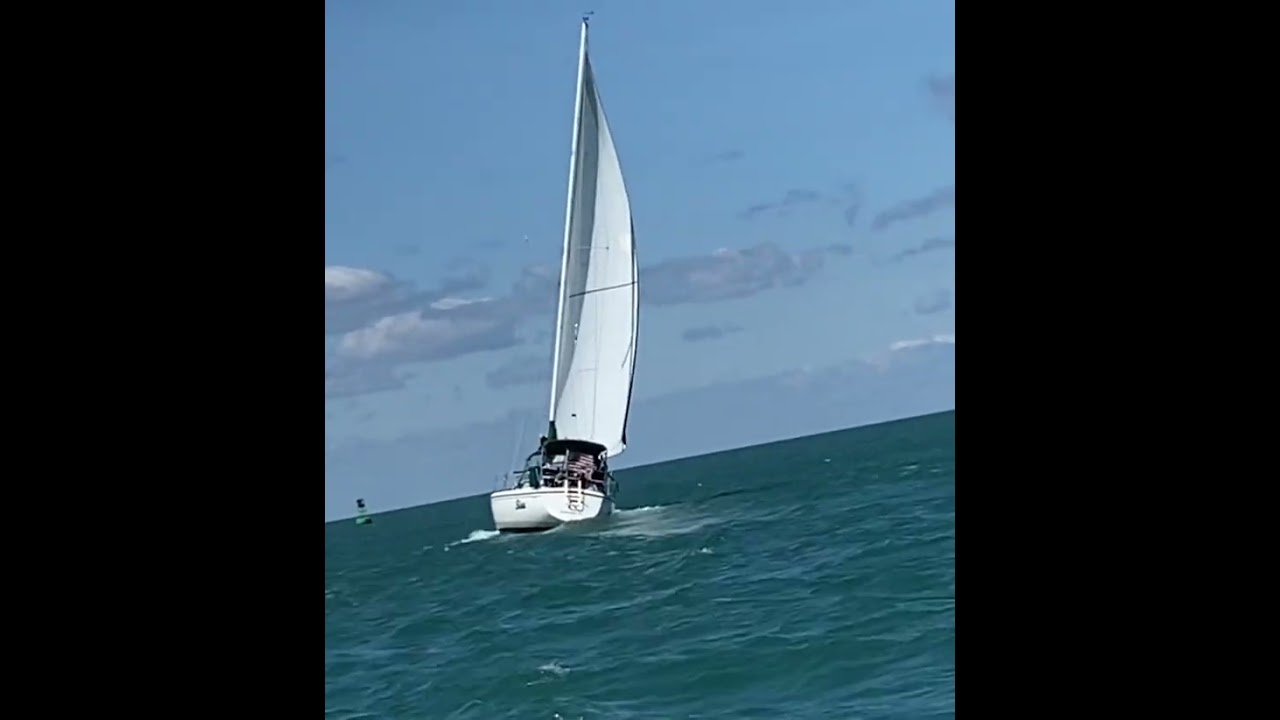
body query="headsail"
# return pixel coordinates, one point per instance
(598, 315)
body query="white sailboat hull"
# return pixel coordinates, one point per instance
(530, 510)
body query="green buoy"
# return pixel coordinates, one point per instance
(362, 515)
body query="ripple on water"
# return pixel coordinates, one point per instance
(752, 596)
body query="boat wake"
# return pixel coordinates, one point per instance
(475, 536)
(600, 526)
(654, 521)
(637, 511)
(646, 521)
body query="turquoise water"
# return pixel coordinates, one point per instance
(813, 578)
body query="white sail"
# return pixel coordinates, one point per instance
(598, 315)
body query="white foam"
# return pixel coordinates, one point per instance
(652, 521)
(476, 536)
(549, 672)
(554, 668)
(636, 511)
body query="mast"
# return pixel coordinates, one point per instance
(568, 219)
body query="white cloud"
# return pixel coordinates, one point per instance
(943, 339)
(450, 303)
(380, 319)
(416, 335)
(347, 283)
(383, 336)
(728, 274)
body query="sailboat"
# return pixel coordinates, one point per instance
(567, 479)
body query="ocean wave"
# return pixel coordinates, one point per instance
(823, 593)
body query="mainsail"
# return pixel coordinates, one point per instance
(598, 312)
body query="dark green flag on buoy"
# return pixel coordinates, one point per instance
(362, 514)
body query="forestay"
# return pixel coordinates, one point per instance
(598, 308)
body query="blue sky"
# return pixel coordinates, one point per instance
(791, 168)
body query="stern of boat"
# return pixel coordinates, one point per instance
(520, 510)
(573, 504)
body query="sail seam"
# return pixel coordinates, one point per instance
(603, 289)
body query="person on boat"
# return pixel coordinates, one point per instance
(549, 474)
